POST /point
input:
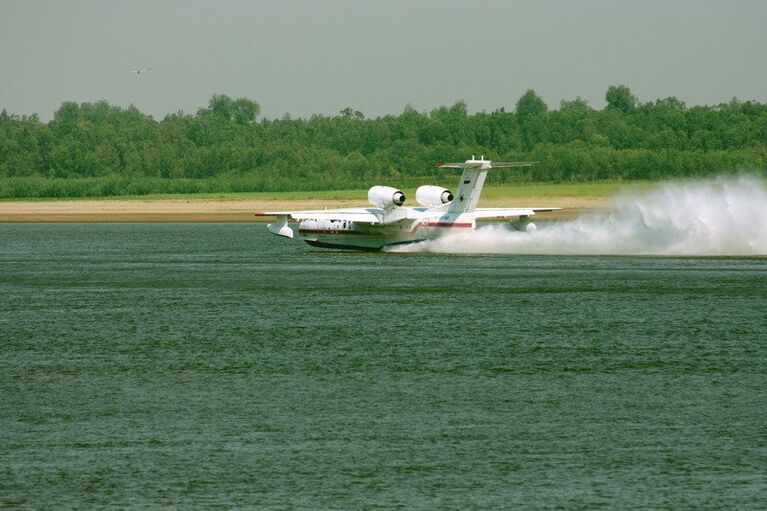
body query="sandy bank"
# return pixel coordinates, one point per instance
(241, 210)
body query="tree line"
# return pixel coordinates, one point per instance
(98, 149)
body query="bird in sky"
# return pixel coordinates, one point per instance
(141, 71)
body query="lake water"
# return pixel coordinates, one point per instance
(214, 365)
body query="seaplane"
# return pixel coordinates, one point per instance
(389, 222)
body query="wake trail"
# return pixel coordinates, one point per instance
(715, 217)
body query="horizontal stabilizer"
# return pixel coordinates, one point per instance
(485, 164)
(509, 164)
(458, 165)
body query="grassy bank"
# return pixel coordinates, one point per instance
(114, 186)
(42, 190)
(34, 188)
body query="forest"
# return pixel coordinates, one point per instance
(97, 149)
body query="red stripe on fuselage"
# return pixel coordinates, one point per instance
(337, 231)
(443, 225)
(446, 224)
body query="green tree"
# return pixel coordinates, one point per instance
(530, 106)
(619, 98)
(222, 107)
(531, 114)
(349, 113)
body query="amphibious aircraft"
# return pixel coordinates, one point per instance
(389, 223)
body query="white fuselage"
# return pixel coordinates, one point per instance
(349, 234)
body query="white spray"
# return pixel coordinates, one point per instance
(724, 216)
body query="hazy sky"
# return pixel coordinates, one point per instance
(305, 57)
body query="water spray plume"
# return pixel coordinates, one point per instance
(716, 217)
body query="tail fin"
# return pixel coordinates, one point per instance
(472, 181)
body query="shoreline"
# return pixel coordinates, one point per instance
(235, 210)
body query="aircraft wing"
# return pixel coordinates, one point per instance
(360, 215)
(508, 212)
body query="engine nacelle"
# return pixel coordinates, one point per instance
(385, 196)
(432, 196)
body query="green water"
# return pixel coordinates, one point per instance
(218, 366)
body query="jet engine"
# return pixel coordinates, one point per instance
(385, 196)
(432, 196)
